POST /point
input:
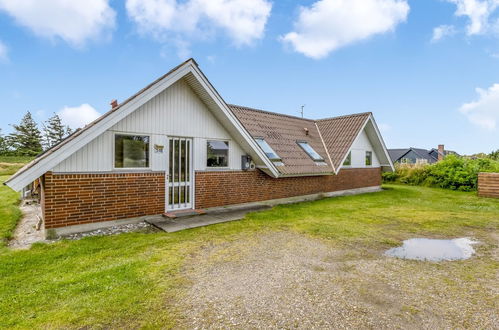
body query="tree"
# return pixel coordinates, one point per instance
(494, 155)
(4, 149)
(54, 131)
(26, 138)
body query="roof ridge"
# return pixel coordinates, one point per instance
(269, 112)
(344, 116)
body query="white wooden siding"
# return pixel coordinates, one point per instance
(177, 111)
(359, 148)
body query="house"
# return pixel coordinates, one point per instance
(177, 145)
(418, 156)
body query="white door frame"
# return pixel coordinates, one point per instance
(170, 181)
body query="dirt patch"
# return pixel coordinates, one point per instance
(286, 280)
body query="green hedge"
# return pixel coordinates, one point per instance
(453, 172)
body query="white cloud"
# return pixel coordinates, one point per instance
(484, 112)
(79, 116)
(75, 22)
(331, 24)
(478, 12)
(442, 31)
(171, 20)
(384, 127)
(4, 57)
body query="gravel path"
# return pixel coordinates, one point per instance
(26, 232)
(114, 230)
(285, 280)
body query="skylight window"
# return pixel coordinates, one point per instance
(267, 149)
(310, 151)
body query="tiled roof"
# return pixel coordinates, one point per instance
(281, 132)
(340, 132)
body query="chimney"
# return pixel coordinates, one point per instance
(114, 104)
(306, 130)
(441, 151)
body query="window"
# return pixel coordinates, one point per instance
(310, 151)
(217, 154)
(348, 160)
(131, 151)
(267, 149)
(369, 158)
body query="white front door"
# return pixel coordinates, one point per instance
(179, 174)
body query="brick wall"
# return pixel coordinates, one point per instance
(488, 185)
(72, 199)
(234, 187)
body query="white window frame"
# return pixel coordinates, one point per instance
(365, 156)
(273, 160)
(215, 168)
(148, 168)
(317, 160)
(350, 165)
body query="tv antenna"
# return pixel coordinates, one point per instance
(302, 108)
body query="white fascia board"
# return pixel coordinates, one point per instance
(325, 147)
(234, 121)
(382, 142)
(46, 164)
(350, 149)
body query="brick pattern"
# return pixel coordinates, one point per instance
(73, 199)
(488, 185)
(234, 187)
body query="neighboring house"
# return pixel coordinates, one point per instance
(419, 156)
(177, 145)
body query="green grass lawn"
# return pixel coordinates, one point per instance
(9, 199)
(10, 164)
(132, 280)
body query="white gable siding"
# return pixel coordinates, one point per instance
(359, 148)
(176, 112)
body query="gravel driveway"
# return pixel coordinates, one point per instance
(286, 280)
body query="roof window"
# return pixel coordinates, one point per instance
(310, 151)
(271, 154)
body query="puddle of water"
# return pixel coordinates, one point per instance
(434, 249)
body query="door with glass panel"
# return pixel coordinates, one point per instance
(179, 174)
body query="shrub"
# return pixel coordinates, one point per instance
(453, 172)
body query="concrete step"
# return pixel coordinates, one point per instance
(171, 225)
(183, 213)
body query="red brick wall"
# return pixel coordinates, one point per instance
(72, 199)
(234, 187)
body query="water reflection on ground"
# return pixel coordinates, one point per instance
(434, 249)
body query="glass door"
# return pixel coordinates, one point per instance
(179, 174)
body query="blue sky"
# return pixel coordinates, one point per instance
(415, 64)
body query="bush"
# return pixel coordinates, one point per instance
(453, 172)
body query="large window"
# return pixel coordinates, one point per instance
(310, 151)
(131, 151)
(348, 160)
(268, 150)
(217, 154)
(369, 158)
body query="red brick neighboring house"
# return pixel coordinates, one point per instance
(177, 145)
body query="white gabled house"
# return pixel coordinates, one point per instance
(177, 145)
